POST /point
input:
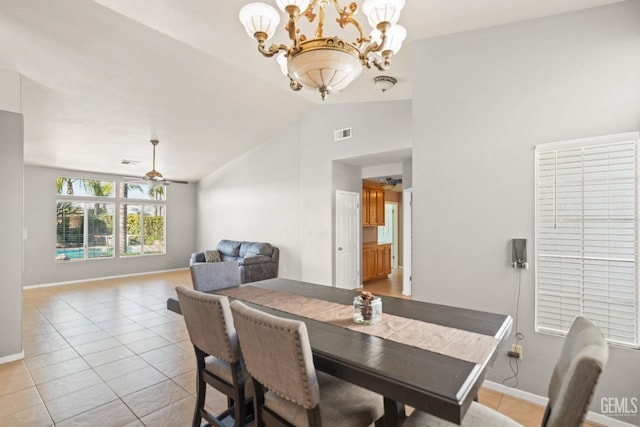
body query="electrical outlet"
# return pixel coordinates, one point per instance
(516, 348)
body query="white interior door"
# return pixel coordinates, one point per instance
(347, 247)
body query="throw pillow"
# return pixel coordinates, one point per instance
(212, 256)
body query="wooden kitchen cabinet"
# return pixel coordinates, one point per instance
(372, 205)
(369, 260)
(376, 261)
(384, 252)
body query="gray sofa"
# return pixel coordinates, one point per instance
(241, 262)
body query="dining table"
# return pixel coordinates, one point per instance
(431, 357)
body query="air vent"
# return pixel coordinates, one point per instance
(129, 162)
(342, 134)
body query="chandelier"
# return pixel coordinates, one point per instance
(328, 64)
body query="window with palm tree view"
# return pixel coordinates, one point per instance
(90, 216)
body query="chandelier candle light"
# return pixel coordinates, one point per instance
(328, 64)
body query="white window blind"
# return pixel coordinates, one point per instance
(587, 235)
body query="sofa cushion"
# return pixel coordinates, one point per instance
(212, 255)
(255, 248)
(251, 259)
(229, 248)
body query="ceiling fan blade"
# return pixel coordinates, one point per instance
(132, 178)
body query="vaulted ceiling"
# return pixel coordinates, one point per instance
(101, 78)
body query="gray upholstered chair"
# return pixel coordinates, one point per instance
(210, 325)
(583, 356)
(215, 275)
(288, 390)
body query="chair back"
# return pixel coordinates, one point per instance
(210, 323)
(277, 354)
(583, 356)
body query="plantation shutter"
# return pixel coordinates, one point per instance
(586, 235)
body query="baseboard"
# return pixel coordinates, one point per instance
(95, 279)
(12, 358)
(542, 401)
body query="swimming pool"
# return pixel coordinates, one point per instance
(78, 253)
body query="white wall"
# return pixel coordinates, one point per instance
(11, 175)
(40, 266)
(377, 128)
(256, 198)
(10, 85)
(283, 191)
(482, 101)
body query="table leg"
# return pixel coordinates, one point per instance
(393, 413)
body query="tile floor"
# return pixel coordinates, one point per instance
(109, 353)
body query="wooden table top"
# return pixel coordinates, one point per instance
(441, 385)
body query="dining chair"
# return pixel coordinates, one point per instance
(582, 358)
(219, 361)
(287, 389)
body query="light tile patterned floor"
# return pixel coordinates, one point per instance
(109, 353)
(104, 353)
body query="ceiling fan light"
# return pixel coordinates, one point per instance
(378, 11)
(385, 82)
(300, 4)
(259, 18)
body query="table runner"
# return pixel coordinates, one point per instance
(464, 345)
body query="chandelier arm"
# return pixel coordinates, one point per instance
(294, 85)
(384, 66)
(294, 14)
(320, 27)
(273, 49)
(375, 47)
(308, 13)
(346, 18)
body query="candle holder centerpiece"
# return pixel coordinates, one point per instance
(367, 308)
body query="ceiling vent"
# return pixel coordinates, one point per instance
(342, 134)
(129, 162)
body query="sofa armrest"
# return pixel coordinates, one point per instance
(196, 257)
(209, 276)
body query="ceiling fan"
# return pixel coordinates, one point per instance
(390, 183)
(153, 176)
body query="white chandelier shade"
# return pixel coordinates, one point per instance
(328, 70)
(378, 11)
(259, 17)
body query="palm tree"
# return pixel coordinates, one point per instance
(61, 182)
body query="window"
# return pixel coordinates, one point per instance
(142, 229)
(85, 218)
(587, 235)
(88, 216)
